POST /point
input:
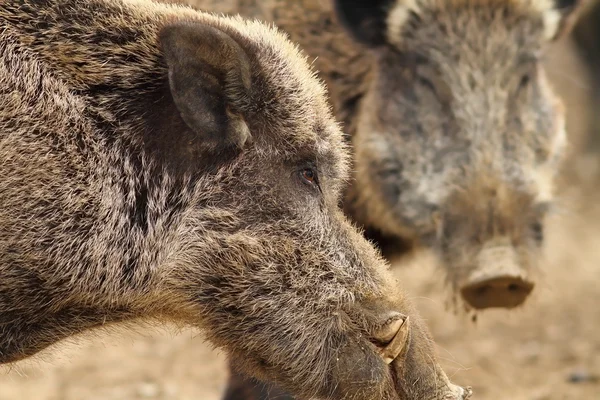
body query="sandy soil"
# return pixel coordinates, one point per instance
(547, 350)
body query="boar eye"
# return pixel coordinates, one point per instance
(309, 176)
(426, 83)
(526, 73)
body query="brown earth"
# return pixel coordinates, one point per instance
(547, 350)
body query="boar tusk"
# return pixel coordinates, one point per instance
(385, 335)
(393, 349)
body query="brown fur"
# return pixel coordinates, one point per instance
(152, 164)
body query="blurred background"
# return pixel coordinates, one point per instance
(549, 349)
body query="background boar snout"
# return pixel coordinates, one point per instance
(497, 280)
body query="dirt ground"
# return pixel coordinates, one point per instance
(547, 350)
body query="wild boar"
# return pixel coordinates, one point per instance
(459, 137)
(161, 163)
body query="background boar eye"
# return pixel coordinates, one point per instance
(524, 82)
(309, 175)
(433, 82)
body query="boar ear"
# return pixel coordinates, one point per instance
(209, 79)
(366, 20)
(560, 17)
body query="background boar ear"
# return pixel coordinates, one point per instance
(559, 19)
(209, 78)
(366, 20)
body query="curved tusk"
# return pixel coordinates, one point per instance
(385, 335)
(393, 349)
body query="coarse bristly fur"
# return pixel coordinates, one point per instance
(158, 162)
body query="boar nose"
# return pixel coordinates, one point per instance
(497, 281)
(391, 337)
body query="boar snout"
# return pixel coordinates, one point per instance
(405, 347)
(363, 368)
(497, 280)
(416, 373)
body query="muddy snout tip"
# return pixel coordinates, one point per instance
(497, 292)
(498, 279)
(391, 339)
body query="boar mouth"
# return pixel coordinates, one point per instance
(392, 341)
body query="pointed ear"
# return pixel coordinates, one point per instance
(365, 20)
(209, 79)
(558, 16)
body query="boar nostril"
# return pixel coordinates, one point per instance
(513, 287)
(391, 339)
(482, 290)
